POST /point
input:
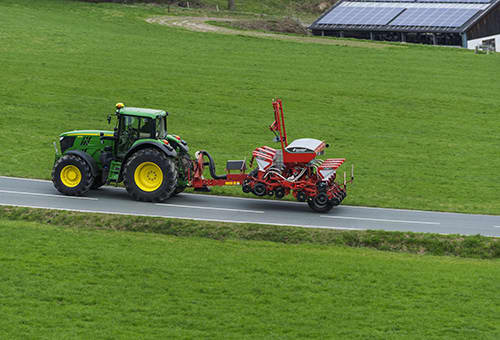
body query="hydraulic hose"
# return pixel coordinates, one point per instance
(211, 166)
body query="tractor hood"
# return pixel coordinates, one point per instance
(87, 133)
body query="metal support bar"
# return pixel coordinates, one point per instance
(464, 40)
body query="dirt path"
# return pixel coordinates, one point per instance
(199, 24)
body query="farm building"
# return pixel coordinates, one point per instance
(466, 23)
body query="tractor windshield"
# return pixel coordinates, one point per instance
(161, 128)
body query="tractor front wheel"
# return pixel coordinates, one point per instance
(149, 175)
(72, 176)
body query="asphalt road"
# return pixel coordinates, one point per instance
(42, 194)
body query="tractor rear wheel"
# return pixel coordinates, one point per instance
(149, 175)
(320, 203)
(186, 166)
(72, 176)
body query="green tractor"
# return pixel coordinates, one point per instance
(152, 164)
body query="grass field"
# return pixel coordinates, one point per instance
(79, 283)
(419, 123)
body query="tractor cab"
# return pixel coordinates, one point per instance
(136, 124)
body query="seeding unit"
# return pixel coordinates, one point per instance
(292, 169)
(154, 165)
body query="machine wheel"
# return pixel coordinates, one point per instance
(301, 196)
(187, 165)
(246, 187)
(279, 192)
(259, 189)
(149, 175)
(320, 203)
(72, 176)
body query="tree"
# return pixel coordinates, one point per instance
(230, 5)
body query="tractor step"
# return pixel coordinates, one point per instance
(114, 171)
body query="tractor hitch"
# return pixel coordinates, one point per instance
(198, 181)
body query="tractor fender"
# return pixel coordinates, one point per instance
(87, 158)
(183, 147)
(166, 149)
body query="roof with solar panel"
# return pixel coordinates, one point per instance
(403, 15)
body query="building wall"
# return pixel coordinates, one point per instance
(487, 25)
(471, 44)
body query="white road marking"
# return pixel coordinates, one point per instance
(264, 200)
(379, 220)
(182, 218)
(48, 195)
(209, 208)
(27, 179)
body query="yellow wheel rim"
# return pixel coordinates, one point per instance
(71, 176)
(148, 176)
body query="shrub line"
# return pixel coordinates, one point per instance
(476, 246)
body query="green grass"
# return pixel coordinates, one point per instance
(79, 283)
(418, 243)
(419, 123)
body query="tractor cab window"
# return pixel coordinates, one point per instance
(131, 129)
(161, 128)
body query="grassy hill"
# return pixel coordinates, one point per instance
(419, 123)
(81, 283)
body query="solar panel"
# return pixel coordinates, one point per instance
(440, 17)
(346, 15)
(458, 1)
(426, 1)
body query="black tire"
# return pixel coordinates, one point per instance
(301, 196)
(98, 182)
(279, 192)
(259, 189)
(187, 166)
(320, 203)
(168, 170)
(62, 175)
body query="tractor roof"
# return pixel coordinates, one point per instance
(148, 113)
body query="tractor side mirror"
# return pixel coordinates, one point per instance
(109, 119)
